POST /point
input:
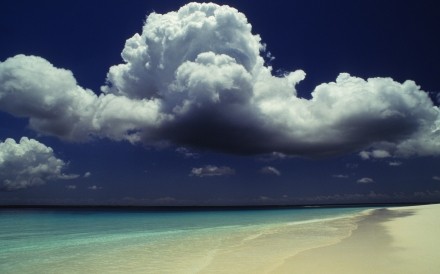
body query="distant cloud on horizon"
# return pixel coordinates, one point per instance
(94, 187)
(186, 75)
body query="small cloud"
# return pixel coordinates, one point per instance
(378, 153)
(274, 156)
(187, 153)
(365, 180)
(365, 155)
(340, 176)
(270, 170)
(395, 163)
(436, 178)
(269, 56)
(94, 187)
(71, 187)
(210, 170)
(87, 174)
(67, 176)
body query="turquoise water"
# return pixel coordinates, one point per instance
(98, 241)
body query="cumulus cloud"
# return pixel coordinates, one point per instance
(87, 174)
(365, 180)
(32, 87)
(436, 178)
(340, 176)
(94, 187)
(210, 170)
(28, 163)
(270, 170)
(71, 187)
(197, 78)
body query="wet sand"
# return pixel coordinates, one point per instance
(394, 240)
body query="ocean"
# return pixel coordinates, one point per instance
(136, 241)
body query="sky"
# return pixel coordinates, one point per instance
(226, 103)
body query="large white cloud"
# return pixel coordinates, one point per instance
(196, 78)
(56, 105)
(28, 163)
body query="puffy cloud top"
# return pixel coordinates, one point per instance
(28, 163)
(196, 77)
(170, 40)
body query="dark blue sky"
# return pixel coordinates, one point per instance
(323, 38)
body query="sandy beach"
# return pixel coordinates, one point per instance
(392, 240)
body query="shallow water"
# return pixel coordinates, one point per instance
(98, 241)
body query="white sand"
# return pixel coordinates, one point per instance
(416, 238)
(395, 240)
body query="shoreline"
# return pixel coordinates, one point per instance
(388, 240)
(177, 208)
